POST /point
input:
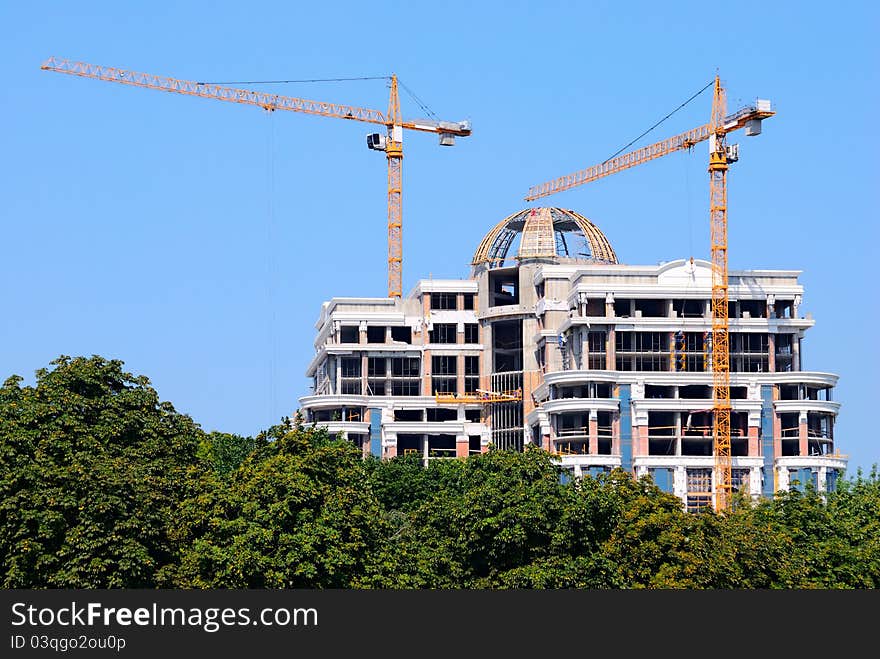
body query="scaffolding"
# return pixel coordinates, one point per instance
(480, 396)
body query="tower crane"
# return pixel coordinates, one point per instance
(391, 143)
(721, 155)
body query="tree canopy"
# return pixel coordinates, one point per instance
(91, 466)
(103, 485)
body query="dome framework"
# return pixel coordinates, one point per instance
(544, 233)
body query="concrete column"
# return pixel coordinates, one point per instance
(610, 359)
(823, 475)
(531, 381)
(615, 433)
(550, 437)
(459, 374)
(391, 447)
(795, 352)
(755, 481)
(678, 433)
(425, 448)
(782, 481)
(754, 443)
(777, 427)
(462, 445)
(362, 332)
(803, 442)
(771, 349)
(486, 364)
(593, 446)
(426, 373)
(363, 371)
(546, 443)
(640, 440)
(679, 483)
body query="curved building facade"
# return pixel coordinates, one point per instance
(552, 341)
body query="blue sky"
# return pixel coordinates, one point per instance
(195, 240)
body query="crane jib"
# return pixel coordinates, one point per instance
(393, 148)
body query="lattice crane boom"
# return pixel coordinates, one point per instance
(720, 156)
(686, 140)
(392, 144)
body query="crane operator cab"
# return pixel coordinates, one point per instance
(376, 141)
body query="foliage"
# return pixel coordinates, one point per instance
(91, 465)
(503, 520)
(834, 539)
(297, 514)
(102, 485)
(225, 452)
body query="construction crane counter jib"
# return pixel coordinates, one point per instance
(391, 143)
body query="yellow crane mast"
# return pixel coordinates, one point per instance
(720, 156)
(391, 143)
(718, 163)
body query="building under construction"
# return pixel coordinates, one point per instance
(684, 370)
(551, 341)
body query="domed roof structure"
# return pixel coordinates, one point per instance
(544, 233)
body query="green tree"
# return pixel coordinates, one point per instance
(224, 451)
(91, 465)
(502, 519)
(856, 506)
(834, 537)
(297, 513)
(102, 485)
(404, 483)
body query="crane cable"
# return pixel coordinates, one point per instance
(271, 271)
(687, 196)
(422, 105)
(623, 148)
(283, 82)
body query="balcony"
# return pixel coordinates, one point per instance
(830, 461)
(807, 405)
(559, 405)
(345, 427)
